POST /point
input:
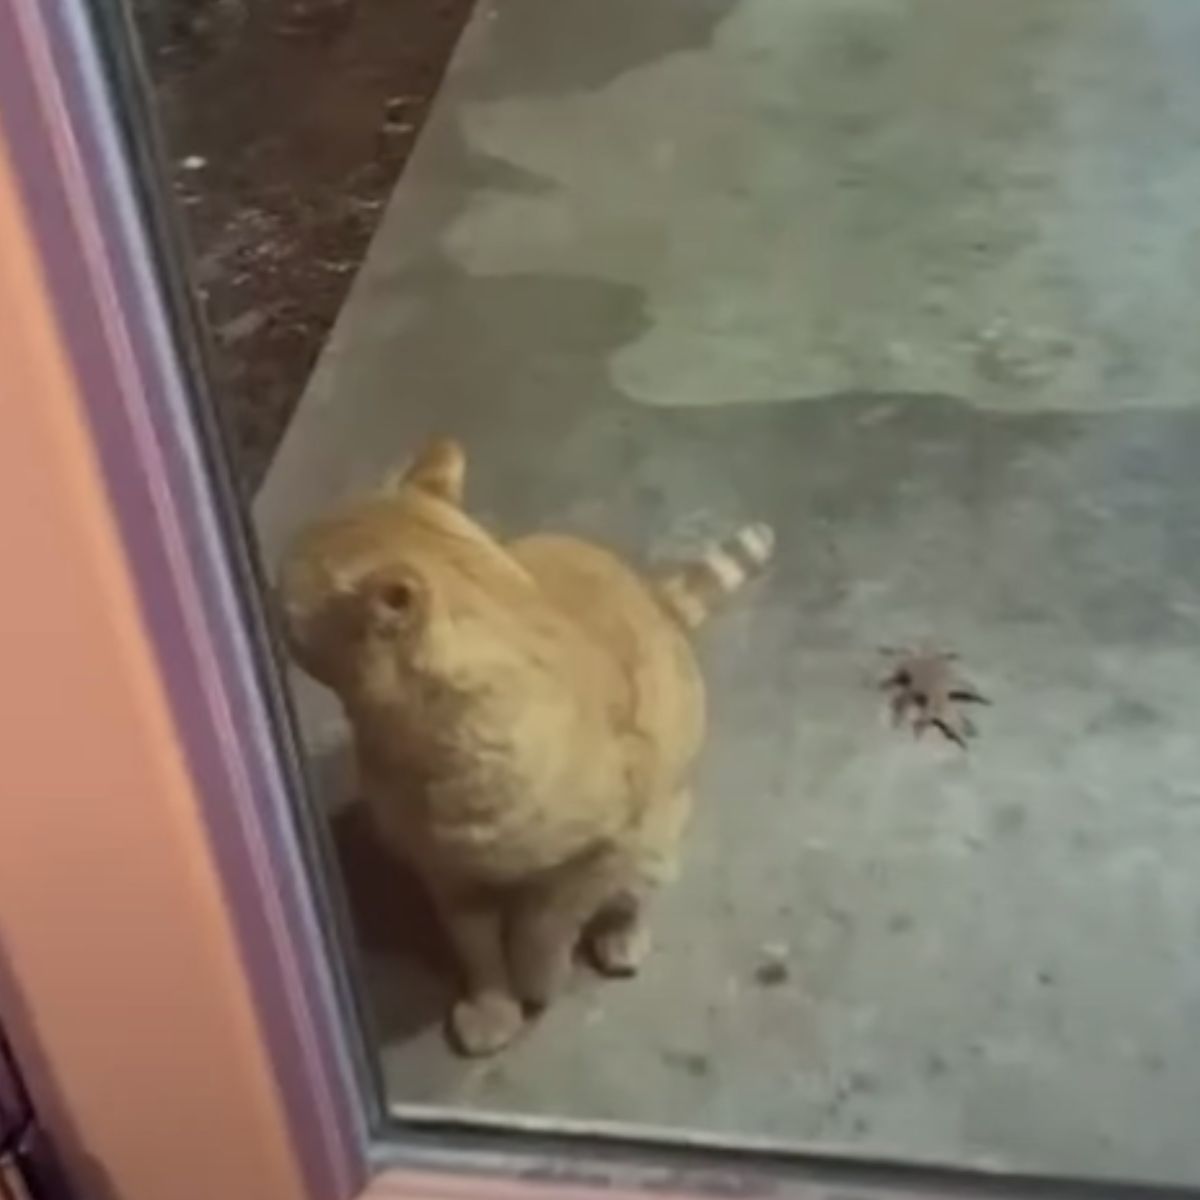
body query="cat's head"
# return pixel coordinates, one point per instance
(400, 579)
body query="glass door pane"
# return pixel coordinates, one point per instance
(912, 282)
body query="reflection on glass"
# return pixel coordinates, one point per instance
(910, 282)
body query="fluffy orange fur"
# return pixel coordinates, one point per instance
(525, 718)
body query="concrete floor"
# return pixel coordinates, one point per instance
(917, 282)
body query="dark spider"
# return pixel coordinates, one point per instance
(926, 691)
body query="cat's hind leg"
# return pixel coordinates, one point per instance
(618, 938)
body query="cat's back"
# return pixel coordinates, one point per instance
(614, 607)
(595, 587)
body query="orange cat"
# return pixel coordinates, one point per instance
(525, 717)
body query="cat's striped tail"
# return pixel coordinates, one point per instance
(692, 590)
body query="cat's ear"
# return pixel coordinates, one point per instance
(439, 469)
(395, 605)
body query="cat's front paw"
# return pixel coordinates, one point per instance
(540, 961)
(486, 1023)
(538, 981)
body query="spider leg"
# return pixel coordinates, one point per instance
(968, 695)
(901, 702)
(953, 734)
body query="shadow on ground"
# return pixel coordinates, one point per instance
(401, 954)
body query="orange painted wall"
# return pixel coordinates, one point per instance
(119, 982)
